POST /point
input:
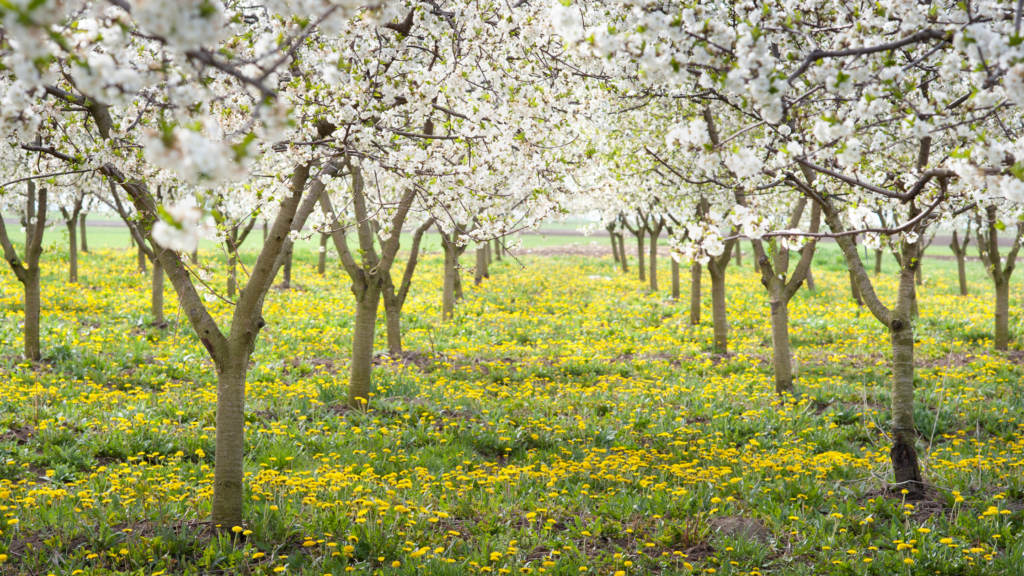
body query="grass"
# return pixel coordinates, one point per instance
(565, 421)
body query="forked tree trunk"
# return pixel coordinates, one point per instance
(81, 226)
(157, 295)
(961, 272)
(695, 273)
(675, 279)
(395, 301)
(899, 321)
(33, 351)
(73, 250)
(321, 265)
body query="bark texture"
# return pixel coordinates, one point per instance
(960, 251)
(695, 272)
(998, 270)
(27, 272)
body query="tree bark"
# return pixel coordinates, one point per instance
(719, 316)
(363, 331)
(72, 225)
(497, 250)
(321, 265)
(229, 469)
(615, 249)
(232, 274)
(810, 279)
(142, 260)
(450, 276)
(395, 301)
(960, 251)
(81, 225)
(899, 321)
(878, 262)
(481, 263)
(286, 275)
(655, 232)
(157, 296)
(695, 272)
(33, 351)
(622, 254)
(640, 255)
(1002, 329)
(675, 279)
(739, 253)
(487, 268)
(782, 361)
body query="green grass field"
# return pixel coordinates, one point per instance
(566, 421)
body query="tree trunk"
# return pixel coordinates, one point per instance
(81, 226)
(458, 285)
(229, 458)
(961, 270)
(481, 263)
(264, 231)
(810, 280)
(615, 249)
(286, 280)
(855, 291)
(321, 265)
(654, 259)
(719, 317)
(232, 274)
(878, 262)
(1002, 332)
(32, 307)
(903, 453)
(73, 250)
(142, 261)
(487, 268)
(363, 329)
(640, 256)
(675, 279)
(393, 315)
(448, 294)
(782, 361)
(497, 250)
(695, 272)
(918, 275)
(157, 296)
(739, 253)
(622, 254)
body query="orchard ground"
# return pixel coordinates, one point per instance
(565, 421)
